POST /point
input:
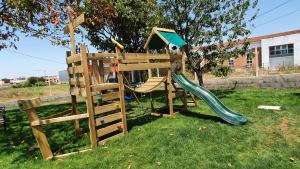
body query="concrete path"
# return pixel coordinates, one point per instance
(44, 99)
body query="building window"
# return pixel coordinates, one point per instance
(249, 60)
(281, 50)
(231, 63)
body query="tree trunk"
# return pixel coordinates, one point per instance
(200, 78)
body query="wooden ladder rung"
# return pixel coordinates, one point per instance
(107, 96)
(106, 108)
(109, 118)
(110, 129)
(104, 86)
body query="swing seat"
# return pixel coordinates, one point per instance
(150, 85)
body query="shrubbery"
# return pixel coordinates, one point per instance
(31, 82)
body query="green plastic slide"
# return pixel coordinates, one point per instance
(210, 99)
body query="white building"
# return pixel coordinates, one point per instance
(278, 49)
(270, 51)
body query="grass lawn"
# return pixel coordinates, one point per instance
(195, 139)
(13, 94)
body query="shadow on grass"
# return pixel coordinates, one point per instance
(223, 93)
(18, 140)
(202, 116)
(297, 94)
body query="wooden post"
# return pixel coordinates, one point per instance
(169, 88)
(121, 93)
(72, 36)
(183, 55)
(151, 102)
(149, 70)
(183, 72)
(29, 107)
(89, 99)
(74, 106)
(256, 62)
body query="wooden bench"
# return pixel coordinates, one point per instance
(2, 117)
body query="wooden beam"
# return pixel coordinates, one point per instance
(29, 104)
(107, 96)
(79, 82)
(110, 129)
(96, 56)
(74, 58)
(75, 69)
(59, 119)
(109, 118)
(164, 29)
(72, 153)
(104, 86)
(89, 99)
(37, 131)
(145, 56)
(76, 22)
(106, 108)
(145, 66)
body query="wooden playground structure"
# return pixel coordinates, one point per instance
(105, 102)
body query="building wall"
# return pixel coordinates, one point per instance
(282, 40)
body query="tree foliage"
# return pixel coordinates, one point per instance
(45, 18)
(207, 24)
(131, 24)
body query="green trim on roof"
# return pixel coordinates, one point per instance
(173, 38)
(157, 42)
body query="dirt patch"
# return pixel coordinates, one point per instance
(285, 130)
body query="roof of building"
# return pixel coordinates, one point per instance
(274, 35)
(259, 38)
(160, 37)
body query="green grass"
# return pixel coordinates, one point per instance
(195, 139)
(13, 94)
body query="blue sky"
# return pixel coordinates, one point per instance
(12, 64)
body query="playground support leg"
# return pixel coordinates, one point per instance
(89, 100)
(74, 112)
(169, 90)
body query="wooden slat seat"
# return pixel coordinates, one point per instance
(150, 85)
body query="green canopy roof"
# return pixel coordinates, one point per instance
(173, 38)
(161, 37)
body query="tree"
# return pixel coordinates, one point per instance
(44, 18)
(207, 24)
(131, 24)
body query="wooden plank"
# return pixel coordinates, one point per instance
(145, 56)
(110, 129)
(77, 91)
(109, 69)
(37, 131)
(97, 56)
(104, 86)
(145, 66)
(75, 69)
(59, 119)
(76, 22)
(61, 156)
(73, 58)
(77, 81)
(89, 99)
(29, 104)
(107, 96)
(164, 29)
(106, 108)
(108, 118)
(103, 142)
(135, 61)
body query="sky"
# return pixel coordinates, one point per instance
(274, 16)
